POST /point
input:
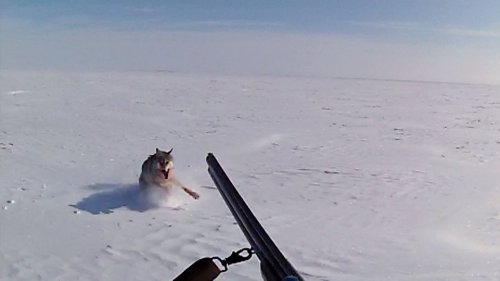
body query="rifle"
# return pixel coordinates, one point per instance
(273, 264)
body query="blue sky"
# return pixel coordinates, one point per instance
(313, 37)
(292, 15)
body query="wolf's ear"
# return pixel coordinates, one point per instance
(157, 150)
(170, 151)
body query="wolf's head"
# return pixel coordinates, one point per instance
(164, 161)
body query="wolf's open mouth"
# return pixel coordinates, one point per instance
(165, 173)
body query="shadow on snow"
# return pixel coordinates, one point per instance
(113, 196)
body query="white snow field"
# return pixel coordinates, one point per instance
(353, 179)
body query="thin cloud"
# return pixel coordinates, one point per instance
(413, 26)
(215, 24)
(141, 9)
(399, 25)
(470, 32)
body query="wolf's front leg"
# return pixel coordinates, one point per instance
(186, 189)
(190, 192)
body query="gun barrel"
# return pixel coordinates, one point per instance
(277, 266)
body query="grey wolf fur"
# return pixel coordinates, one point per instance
(157, 171)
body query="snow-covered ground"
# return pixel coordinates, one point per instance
(353, 179)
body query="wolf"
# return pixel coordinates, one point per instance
(157, 172)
